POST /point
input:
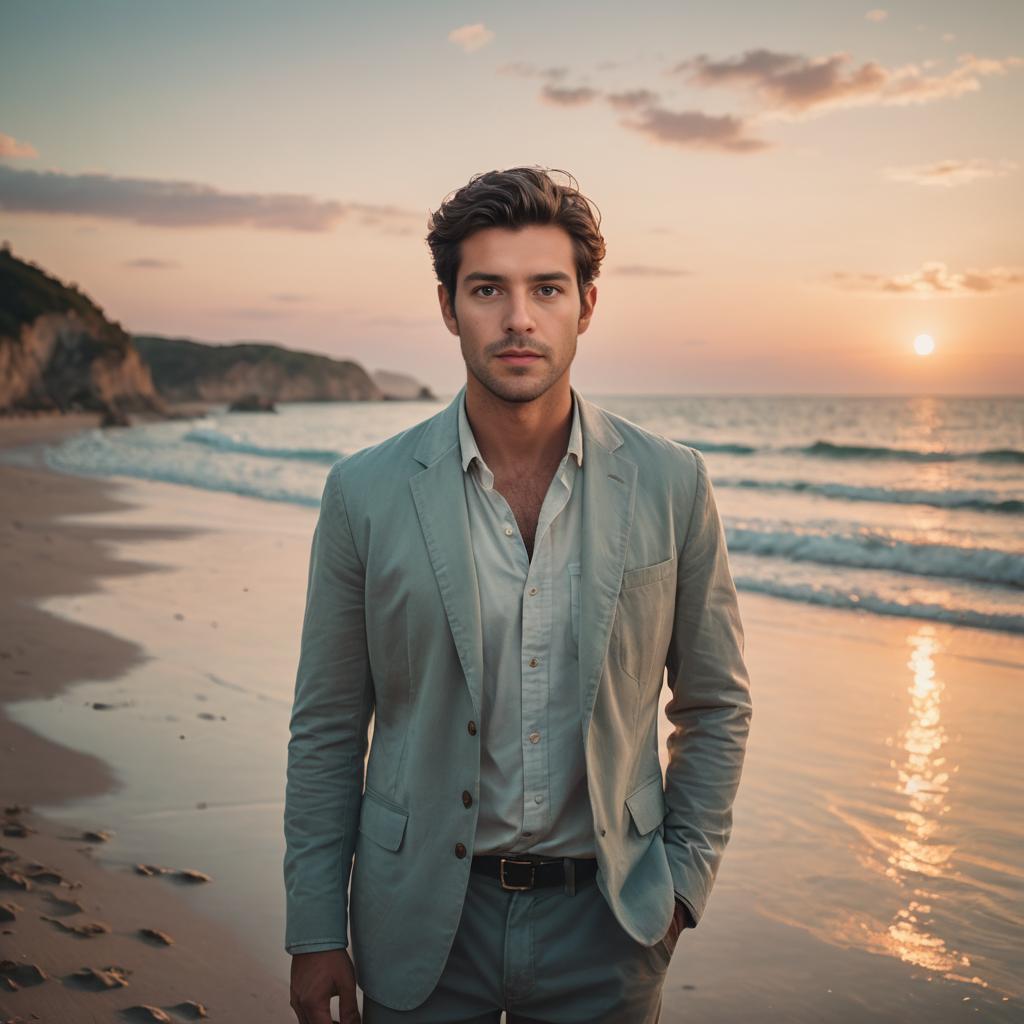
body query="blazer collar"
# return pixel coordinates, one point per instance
(442, 429)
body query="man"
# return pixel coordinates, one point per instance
(502, 587)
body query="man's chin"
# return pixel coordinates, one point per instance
(518, 391)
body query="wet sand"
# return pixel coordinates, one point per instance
(82, 940)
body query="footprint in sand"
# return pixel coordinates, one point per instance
(21, 975)
(145, 1012)
(190, 1010)
(14, 880)
(156, 936)
(99, 979)
(89, 930)
(97, 836)
(63, 906)
(181, 874)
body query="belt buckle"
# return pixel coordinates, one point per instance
(508, 887)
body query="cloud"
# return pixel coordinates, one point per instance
(12, 149)
(289, 297)
(646, 270)
(174, 204)
(471, 37)
(876, 14)
(948, 173)
(522, 69)
(149, 263)
(933, 278)
(693, 129)
(561, 96)
(631, 99)
(792, 84)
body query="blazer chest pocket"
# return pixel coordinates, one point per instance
(643, 620)
(647, 805)
(648, 574)
(382, 822)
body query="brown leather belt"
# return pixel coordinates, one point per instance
(520, 873)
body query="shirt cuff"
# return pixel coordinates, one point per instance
(314, 947)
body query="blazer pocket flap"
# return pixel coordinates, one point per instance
(648, 573)
(381, 822)
(647, 805)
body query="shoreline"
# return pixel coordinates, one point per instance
(44, 657)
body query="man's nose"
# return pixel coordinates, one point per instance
(518, 318)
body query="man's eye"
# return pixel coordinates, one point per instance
(553, 287)
(482, 287)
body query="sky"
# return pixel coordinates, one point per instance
(790, 193)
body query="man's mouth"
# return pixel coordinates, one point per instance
(519, 356)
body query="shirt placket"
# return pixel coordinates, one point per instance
(538, 607)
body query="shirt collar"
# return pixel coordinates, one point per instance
(469, 449)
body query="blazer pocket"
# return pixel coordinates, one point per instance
(647, 805)
(643, 620)
(648, 573)
(382, 822)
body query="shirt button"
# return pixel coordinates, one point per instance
(532, 663)
(471, 728)
(534, 737)
(460, 850)
(508, 531)
(467, 797)
(538, 799)
(533, 590)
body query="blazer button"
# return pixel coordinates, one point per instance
(467, 798)
(460, 850)
(472, 728)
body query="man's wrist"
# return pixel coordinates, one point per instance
(688, 920)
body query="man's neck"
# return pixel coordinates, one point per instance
(520, 437)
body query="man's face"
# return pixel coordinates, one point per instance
(517, 291)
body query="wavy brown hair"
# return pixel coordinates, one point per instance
(514, 198)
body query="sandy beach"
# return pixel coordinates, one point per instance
(148, 641)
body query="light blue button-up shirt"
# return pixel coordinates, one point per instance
(533, 778)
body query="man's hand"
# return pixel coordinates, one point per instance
(318, 976)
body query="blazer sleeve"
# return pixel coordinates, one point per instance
(330, 717)
(710, 707)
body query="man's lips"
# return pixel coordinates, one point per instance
(519, 357)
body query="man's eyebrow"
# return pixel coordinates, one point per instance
(555, 275)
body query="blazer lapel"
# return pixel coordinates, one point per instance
(609, 498)
(439, 494)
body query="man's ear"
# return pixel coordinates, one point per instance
(447, 309)
(587, 304)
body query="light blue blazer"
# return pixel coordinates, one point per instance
(392, 630)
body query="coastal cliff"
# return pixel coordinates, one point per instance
(59, 352)
(185, 370)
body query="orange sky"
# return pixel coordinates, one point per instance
(788, 198)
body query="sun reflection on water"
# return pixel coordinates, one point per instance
(917, 854)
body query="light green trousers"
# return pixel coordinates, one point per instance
(545, 957)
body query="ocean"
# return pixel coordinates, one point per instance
(902, 506)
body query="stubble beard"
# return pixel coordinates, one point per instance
(523, 385)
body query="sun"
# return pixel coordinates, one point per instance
(924, 344)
